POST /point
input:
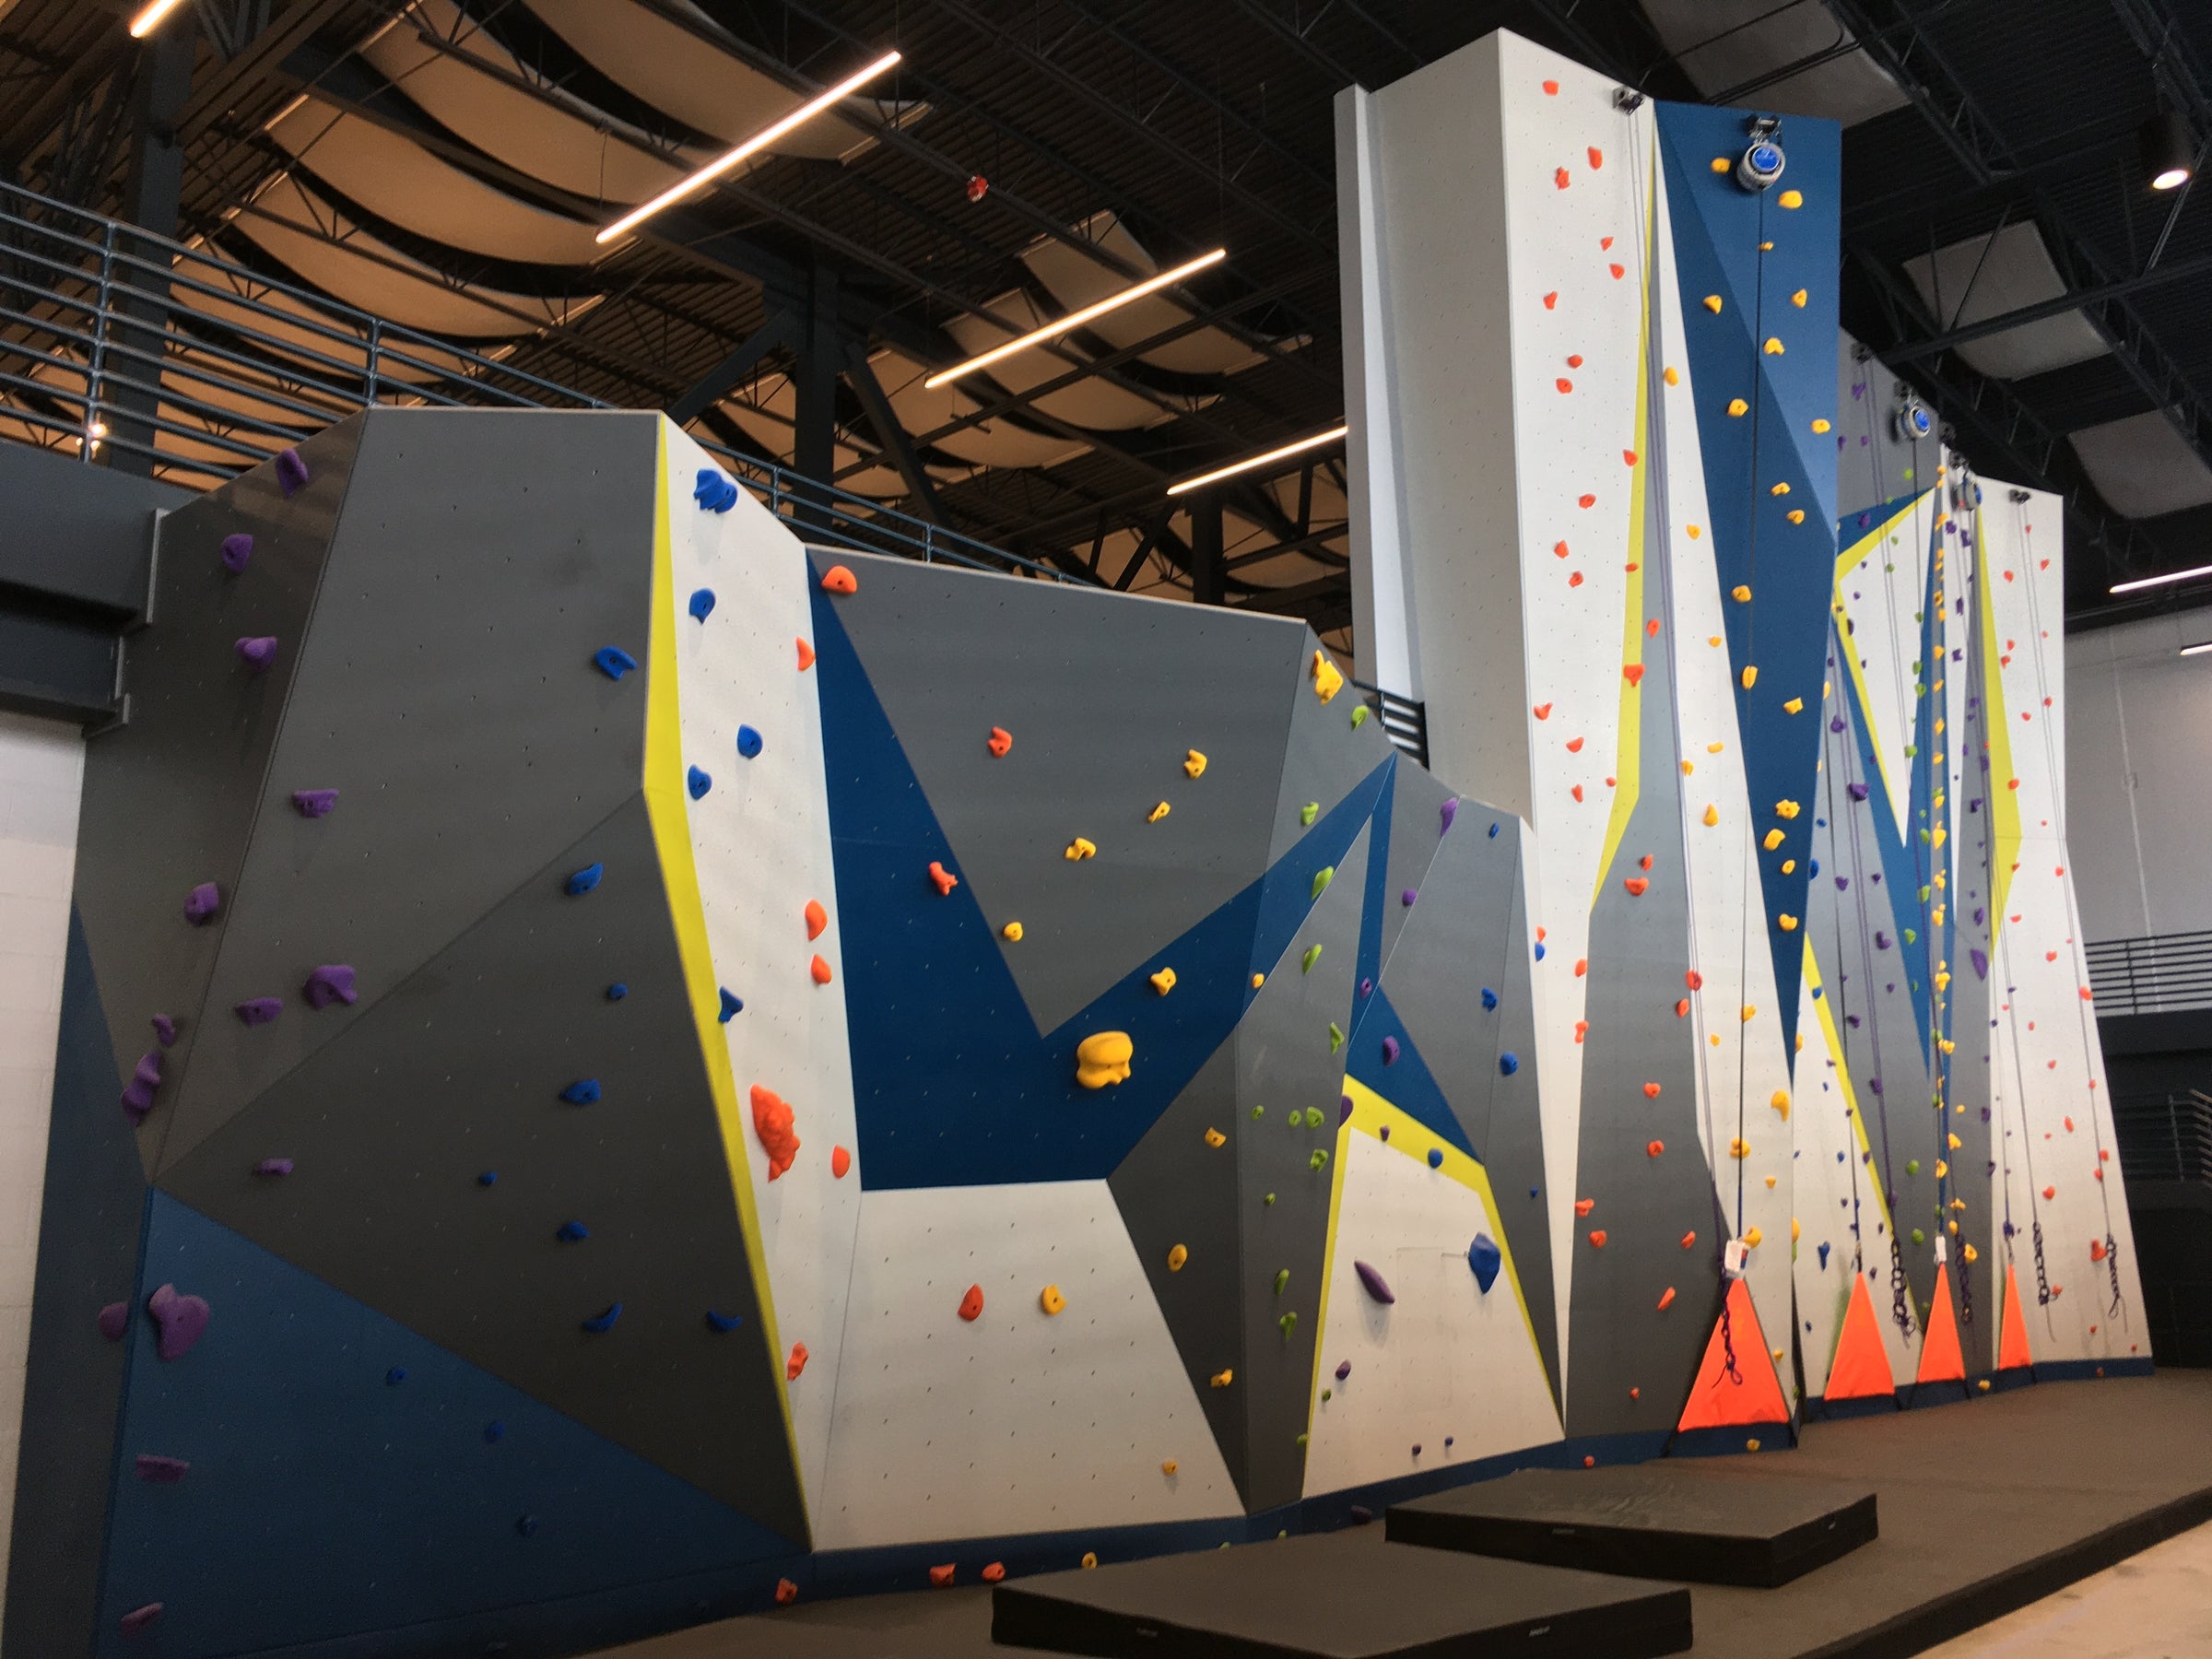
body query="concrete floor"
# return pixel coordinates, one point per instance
(2154, 1605)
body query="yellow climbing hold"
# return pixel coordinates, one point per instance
(1739, 1148)
(1973, 1255)
(1164, 980)
(1713, 304)
(1773, 347)
(1011, 933)
(1720, 164)
(1222, 1379)
(1794, 706)
(1780, 490)
(1820, 425)
(1740, 594)
(1102, 1058)
(1798, 298)
(1748, 1012)
(1050, 1301)
(1176, 1258)
(1786, 809)
(1712, 814)
(1750, 674)
(1327, 679)
(1754, 1238)
(1791, 198)
(1780, 1103)
(1158, 813)
(1214, 1137)
(1193, 764)
(1738, 407)
(1694, 531)
(1080, 849)
(1787, 923)
(1688, 767)
(1169, 1466)
(1773, 840)
(1769, 1183)
(1942, 1169)
(1258, 980)
(1669, 375)
(1788, 865)
(1796, 1231)
(1956, 1143)
(1091, 1559)
(1715, 746)
(1796, 516)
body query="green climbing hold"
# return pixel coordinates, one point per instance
(1924, 895)
(1258, 1112)
(1305, 963)
(1327, 1394)
(1911, 749)
(1360, 716)
(1313, 1117)
(1288, 1322)
(1919, 1237)
(1912, 1166)
(1320, 1158)
(1321, 877)
(1269, 1198)
(1282, 1278)
(1309, 812)
(1335, 1038)
(1301, 1446)
(1910, 937)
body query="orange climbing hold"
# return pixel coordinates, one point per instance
(1861, 1368)
(1632, 673)
(1551, 301)
(1559, 177)
(999, 742)
(817, 918)
(1653, 1148)
(1581, 964)
(819, 971)
(1682, 1007)
(806, 655)
(772, 1124)
(971, 1310)
(2096, 1250)
(1726, 1397)
(1940, 1360)
(1619, 271)
(1574, 746)
(1559, 550)
(1690, 1238)
(1629, 456)
(797, 1363)
(1597, 1237)
(1636, 884)
(841, 1163)
(2012, 1331)
(942, 1576)
(1551, 89)
(942, 878)
(1666, 1301)
(1694, 979)
(1651, 1091)
(1575, 361)
(1564, 384)
(1586, 503)
(1582, 1206)
(837, 580)
(786, 1592)
(995, 1572)
(1597, 160)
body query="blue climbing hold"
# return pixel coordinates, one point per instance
(613, 661)
(1490, 997)
(724, 1323)
(526, 1525)
(584, 880)
(605, 1321)
(712, 490)
(396, 1376)
(1824, 1258)
(1493, 837)
(1436, 1158)
(703, 603)
(748, 742)
(617, 992)
(1819, 991)
(584, 1091)
(494, 1432)
(1509, 1063)
(730, 1005)
(1539, 950)
(488, 1178)
(1485, 1258)
(697, 782)
(573, 1232)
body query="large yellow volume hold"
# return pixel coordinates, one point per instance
(1102, 1058)
(1327, 678)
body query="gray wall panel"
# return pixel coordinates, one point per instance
(1417, 801)
(1324, 758)
(458, 1070)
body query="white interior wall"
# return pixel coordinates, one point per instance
(2139, 763)
(42, 777)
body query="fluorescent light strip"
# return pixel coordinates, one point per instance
(753, 145)
(150, 18)
(1250, 462)
(2196, 649)
(2171, 576)
(1076, 319)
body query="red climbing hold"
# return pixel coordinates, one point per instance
(1559, 550)
(942, 878)
(1575, 361)
(1551, 89)
(2096, 1250)
(1582, 1029)
(1629, 456)
(1574, 746)
(1585, 502)
(1581, 964)
(1589, 1463)
(841, 1163)
(772, 1124)
(1619, 272)
(805, 662)
(1604, 244)
(837, 580)
(1653, 1148)
(797, 1363)
(1576, 792)
(1582, 1206)
(1597, 1237)
(1636, 884)
(1682, 1007)
(1666, 1301)
(786, 1592)
(1565, 386)
(996, 1571)
(1558, 177)
(1551, 301)
(1694, 979)
(817, 918)
(1542, 710)
(1632, 673)
(971, 1306)
(1689, 1239)
(820, 971)
(1651, 1091)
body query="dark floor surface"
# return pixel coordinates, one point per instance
(1984, 1507)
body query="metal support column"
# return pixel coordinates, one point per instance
(821, 361)
(139, 292)
(1208, 574)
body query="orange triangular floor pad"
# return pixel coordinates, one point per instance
(1940, 1360)
(1861, 1368)
(2012, 1336)
(1754, 1394)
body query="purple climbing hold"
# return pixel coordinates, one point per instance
(1981, 962)
(1390, 1051)
(161, 1471)
(274, 1166)
(138, 1618)
(1408, 897)
(1447, 812)
(314, 803)
(1857, 792)
(331, 982)
(237, 548)
(260, 1010)
(1367, 987)
(1376, 1285)
(256, 651)
(1360, 1514)
(1842, 884)
(1835, 724)
(114, 1320)
(1881, 939)
(291, 472)
(165, 1029)
(201, 902)
(1384, 1131)
(1344, 1370)
(1485, 1258)
(1344, 1109)
(138, 1093)
(1875, 1084)
(179, 1322)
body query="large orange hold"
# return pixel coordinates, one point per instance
(1754, 1394)
(1860, 1368)
(772, 1121)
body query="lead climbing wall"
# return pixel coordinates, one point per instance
(652, 1070)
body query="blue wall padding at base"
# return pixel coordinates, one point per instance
(953, 1085)
(323, 1500)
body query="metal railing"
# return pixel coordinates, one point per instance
(115, 342)
(1405, 721)
(2164, 1138)
(2163, 975)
